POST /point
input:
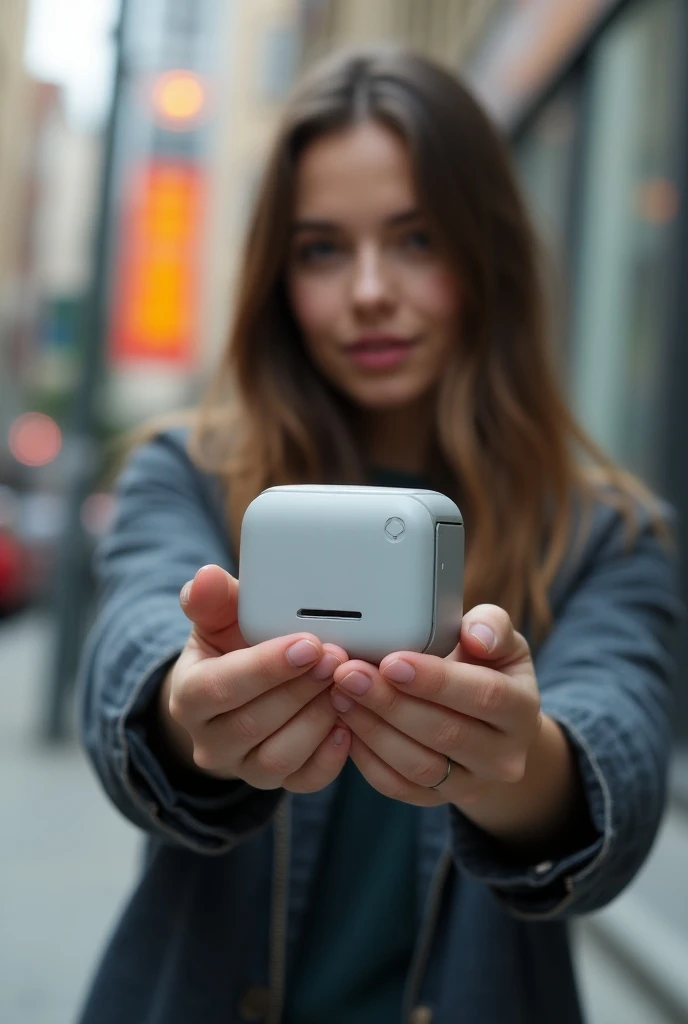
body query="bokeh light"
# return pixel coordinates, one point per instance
(35, 439)
(179, 97)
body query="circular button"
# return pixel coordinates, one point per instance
(394, 527)
(255, 1003)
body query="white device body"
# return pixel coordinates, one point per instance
(373, 569)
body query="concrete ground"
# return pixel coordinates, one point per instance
(67, 861)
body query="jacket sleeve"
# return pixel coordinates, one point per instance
(604, 674)
(165, 528)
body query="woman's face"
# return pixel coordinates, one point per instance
(377, 305)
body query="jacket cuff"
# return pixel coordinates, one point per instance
(551, 888)
(203, 813)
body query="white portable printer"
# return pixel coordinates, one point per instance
(373, 569)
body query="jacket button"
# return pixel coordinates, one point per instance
(255, 1003)
(421, 1015)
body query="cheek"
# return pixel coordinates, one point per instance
(314, 302)
(435, 295)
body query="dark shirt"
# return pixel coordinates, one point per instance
(360, 928)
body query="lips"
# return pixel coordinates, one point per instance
(379, 352)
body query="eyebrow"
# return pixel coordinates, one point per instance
(396, 220)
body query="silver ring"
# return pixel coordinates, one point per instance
(446, 774)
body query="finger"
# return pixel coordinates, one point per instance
(241, 730)
(288, 749)
(210, 601)
(387, 781)
(488, 635)
(477, 691)
(463, 738)
(323, 766)
(481, 751)
(220, 684)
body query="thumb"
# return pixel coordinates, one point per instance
(210, 601)
(488, 634)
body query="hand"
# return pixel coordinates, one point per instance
(480, 707)
(262, 714)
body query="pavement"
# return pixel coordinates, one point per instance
(68, 861)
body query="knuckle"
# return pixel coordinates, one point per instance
(371, 728)
(244, 725)
(183, 697)
(264, 665)
(271, 762)
(177, 708)
(450, 734)
(425, 773)
(387, 700)
(511, 768)
(213, 686)
(436, 680)
(204, 758)
(491, 695)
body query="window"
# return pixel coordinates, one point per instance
(630, 200)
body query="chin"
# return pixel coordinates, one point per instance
(384, 393)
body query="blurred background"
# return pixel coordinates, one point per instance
(132, 136)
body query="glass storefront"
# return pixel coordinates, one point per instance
(619, 248)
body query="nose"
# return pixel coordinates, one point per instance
(372, 288)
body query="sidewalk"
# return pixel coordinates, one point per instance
(67, 860)
(66, 857)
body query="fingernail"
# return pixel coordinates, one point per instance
(303, 652)
(484, 635)
(341, 703)
(399, 672)
(356, 682)
(185, 592)
(339, 735)
(326, 667)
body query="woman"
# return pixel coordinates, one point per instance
(402, 842)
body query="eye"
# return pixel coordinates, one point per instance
(319, 251)
(417, 240)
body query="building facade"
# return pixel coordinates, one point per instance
(260, 51)
(593, 97)
(445, 29)
(14, 91)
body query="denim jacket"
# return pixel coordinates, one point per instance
(208, 933)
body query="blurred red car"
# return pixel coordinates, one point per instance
(14, 572)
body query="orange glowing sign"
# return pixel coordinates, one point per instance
(179, 98)
(155, 300)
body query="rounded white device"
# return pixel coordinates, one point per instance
(373, 569)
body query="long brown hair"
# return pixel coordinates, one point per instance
(506, 445)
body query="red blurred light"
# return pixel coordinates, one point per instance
(35, 439)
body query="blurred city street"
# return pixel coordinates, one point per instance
(133, 141)
(66, 857)
(68, 860)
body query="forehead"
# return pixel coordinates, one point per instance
(360, 173)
